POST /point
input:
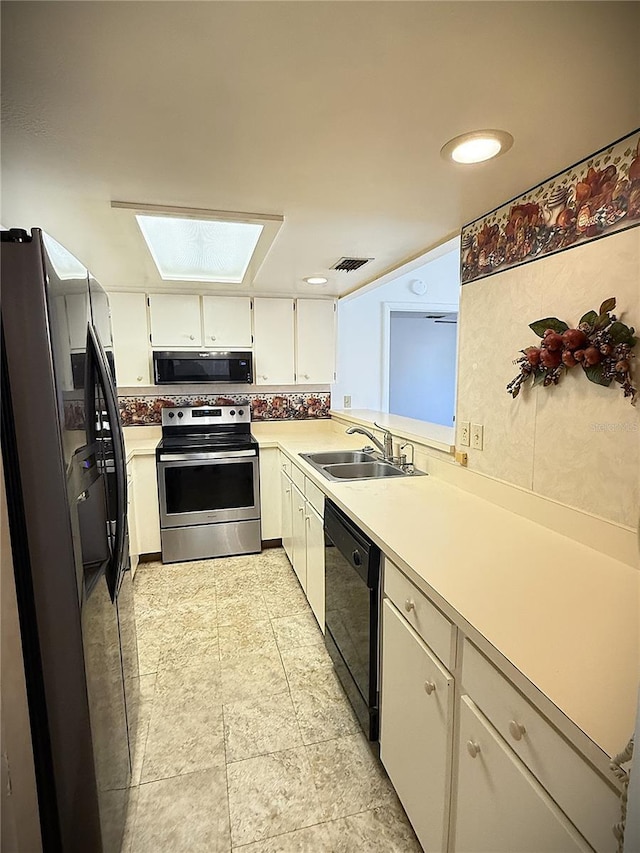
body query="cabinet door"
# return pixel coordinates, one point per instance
(287, 516)
(299, 545)
(227, 321)
(315, 563)
(145, 496)
(130, 338)
(501, 808)
(273, 345)
(270, 500)
(315, 337)
(175, 320)
(134, 553)
(416, 728)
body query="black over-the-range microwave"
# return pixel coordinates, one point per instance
(179, 368)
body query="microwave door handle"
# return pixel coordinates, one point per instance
(118, 563)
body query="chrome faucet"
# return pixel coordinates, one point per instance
(386, 449)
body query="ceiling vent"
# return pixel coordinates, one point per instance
(350, 264)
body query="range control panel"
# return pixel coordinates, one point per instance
(206, 415)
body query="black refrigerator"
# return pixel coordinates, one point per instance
(65, 479)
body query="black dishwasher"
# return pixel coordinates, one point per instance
(352, 580)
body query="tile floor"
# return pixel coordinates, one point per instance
(245, 740)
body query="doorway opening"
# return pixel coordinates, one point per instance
(422, 365)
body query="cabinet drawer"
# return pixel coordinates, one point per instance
(298, 477)
(286, 465)
(579, 791)
(434, 628)
(314, 495)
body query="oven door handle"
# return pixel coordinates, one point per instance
(187, 457)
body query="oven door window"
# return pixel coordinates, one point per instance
(207, 487)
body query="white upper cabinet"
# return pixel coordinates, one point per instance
(175, 320)
(130, 338)
(274, 337)
(227, 322)
(315, 336)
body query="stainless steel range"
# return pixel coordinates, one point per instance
(208, 483)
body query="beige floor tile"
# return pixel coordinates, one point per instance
(247, 636)
(113, 814)
(238, 583)
(306, 662)
(281, 601)
(248, 676)
(139, 720)
(184, 650)
(130, 821)
(382, 830)
(320, 838)
(299, 630)
(270, 795)
(348, 777)
(183, 742)
(259, 726)
(241, 607)
(185, 813)
(322, 709)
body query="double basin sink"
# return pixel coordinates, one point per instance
(352, 465)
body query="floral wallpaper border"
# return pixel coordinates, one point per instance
(145, 411)
(592, 199)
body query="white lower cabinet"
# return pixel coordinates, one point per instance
(501, 808)
(299, 536)
(145, 497)
(315, 563)
(416, 724)
(270, 509)
(287, 515)
(134, 551)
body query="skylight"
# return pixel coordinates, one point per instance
(186, 249)
(66, 265)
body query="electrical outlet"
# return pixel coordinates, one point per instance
(464, 433)
(347, 401)
(477, 436)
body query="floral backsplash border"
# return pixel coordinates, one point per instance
(145, 411)
(592, 199)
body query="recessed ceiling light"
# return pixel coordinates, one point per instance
(316, 279)
(477, 146)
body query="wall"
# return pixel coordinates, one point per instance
(361, 334)
(577, 443)
(422, 368)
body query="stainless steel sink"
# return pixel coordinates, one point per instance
(341, 465)
(335, 457)
(362, 471)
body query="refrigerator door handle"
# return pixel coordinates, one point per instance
(119, 560)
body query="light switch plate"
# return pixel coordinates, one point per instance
(477, 436)
(464, 433)
(347, 401)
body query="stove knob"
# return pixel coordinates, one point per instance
(232, 412)
(241, 412)
(171, 415)
(180, 414)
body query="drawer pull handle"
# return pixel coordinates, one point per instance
(472, 748)
(409, 605)
(516, 730)
(429, 687)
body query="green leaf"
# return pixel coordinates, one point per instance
(602, 322)
(590, 317)
(541, 326)
(620, 334)
(608, 305)
(538, 377)
(595, 373)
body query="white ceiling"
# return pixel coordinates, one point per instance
(329, 113)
